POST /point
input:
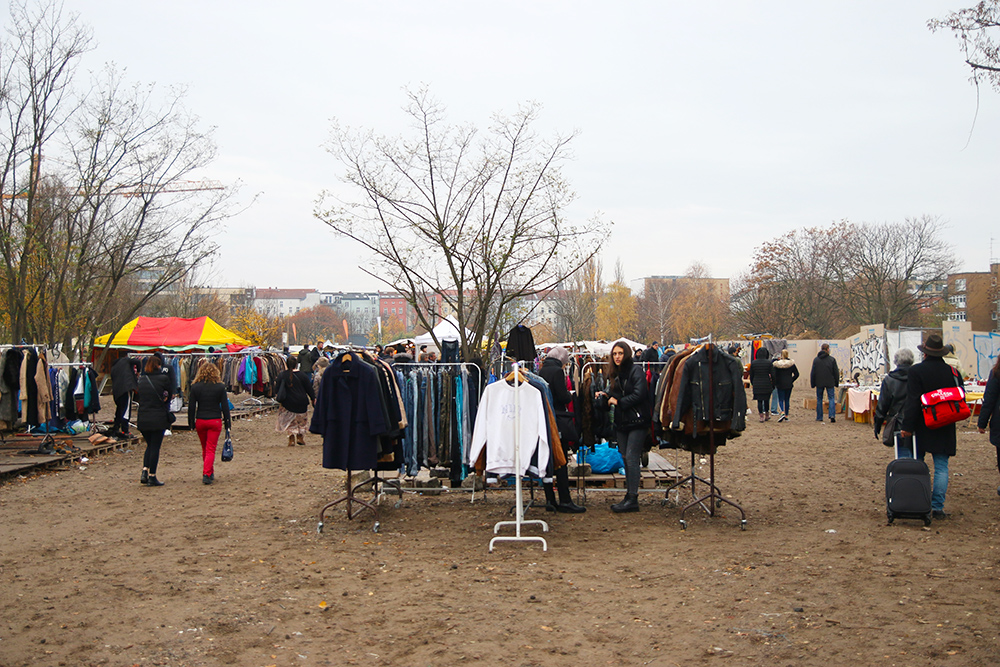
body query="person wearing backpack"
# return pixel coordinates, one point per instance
(930, 374)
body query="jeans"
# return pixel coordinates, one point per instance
(630, 444)
(819, 402)
(208, 432)
(784, 396)
(940, 487)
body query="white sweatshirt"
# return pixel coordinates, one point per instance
(494, 429)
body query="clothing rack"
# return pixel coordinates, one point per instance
(350, 497)
(519, 519)
(714, 496)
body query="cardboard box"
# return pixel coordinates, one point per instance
(810, 404)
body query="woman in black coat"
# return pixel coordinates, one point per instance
(553, 374)
(762, 380)
(989, 415)
(930, 374)
(298, 394)
(154, 418)
(630, 396)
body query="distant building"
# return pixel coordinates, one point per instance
(674, 284)
(285, 302)
(973, 298)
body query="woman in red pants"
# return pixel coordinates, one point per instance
(208, 410)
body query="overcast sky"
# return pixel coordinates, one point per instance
(705, 128)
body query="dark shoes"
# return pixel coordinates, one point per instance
(144, 477)
(833, 420)
(208, 479)
(152, 481)
(630, 504)
(940, 514)
(570, 508)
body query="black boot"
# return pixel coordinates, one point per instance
(550, 497)
(144, 477)
(153, 481)
(629, 504)
(566, 504)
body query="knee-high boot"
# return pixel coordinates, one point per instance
(566, 503)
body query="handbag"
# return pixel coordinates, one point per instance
(945, 406)
(889, 430)
(282, 392)
(227, 447)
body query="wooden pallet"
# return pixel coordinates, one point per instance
(14, 462)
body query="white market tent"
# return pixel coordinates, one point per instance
(598, 348)
(446, 329)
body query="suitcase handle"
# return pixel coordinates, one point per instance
(895, 444)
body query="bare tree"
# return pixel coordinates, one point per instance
(475, 223)
(107, 208)
(976, 29)
(889, 268)
(576, 311)
(38, 56)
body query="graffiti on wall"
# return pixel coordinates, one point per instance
(868, 358)
(987, 349)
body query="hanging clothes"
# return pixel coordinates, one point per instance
(349, 414)
(521, 344)
(495, 432)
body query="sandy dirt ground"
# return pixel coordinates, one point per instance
(96, 569)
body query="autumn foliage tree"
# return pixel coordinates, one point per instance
(317, 323)
(257, 327)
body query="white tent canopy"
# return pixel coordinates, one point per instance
(446, 329)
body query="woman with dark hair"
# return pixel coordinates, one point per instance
(295, 393)
(989, 415)
(762, 381)
(153, 395)
(208, 406)
(630, 397)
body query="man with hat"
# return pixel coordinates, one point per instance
(930, 374)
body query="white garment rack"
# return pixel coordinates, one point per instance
(519, 519)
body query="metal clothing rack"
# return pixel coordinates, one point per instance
(714, 496)
(350, 497)
(432, 365)
(519, 519)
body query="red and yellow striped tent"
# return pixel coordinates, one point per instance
(174, 334)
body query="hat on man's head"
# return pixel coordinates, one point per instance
(934, 346)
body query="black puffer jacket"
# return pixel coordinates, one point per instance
(785, 373)
(762, 375)
(633, 411)
(891, 398)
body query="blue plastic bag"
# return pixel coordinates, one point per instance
(602, 459)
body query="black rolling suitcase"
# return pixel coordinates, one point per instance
(907, 487)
